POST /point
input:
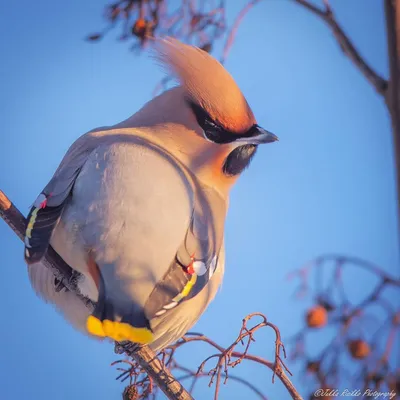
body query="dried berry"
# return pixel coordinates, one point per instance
(358, 348)
(317, 317)
(313, 366)
(139, 28)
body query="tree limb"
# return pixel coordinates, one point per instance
(62, 271)
(392, 98)
(380, 84)
(389, 89)
(278, 371)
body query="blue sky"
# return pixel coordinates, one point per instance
(327, 186)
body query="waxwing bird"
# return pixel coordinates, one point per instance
(138, 208)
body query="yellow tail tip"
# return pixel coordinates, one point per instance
(118, 331)
(95, 326)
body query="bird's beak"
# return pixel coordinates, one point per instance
(259, 136)
(263, 136)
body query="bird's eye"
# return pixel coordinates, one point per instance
(215, 133)
(210, 124)
(212, 131)
(239, 159)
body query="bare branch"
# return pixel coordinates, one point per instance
(230, 357)
(380, 84)
(193, 374)
(225, 358)
(392, 13)
(366, 347)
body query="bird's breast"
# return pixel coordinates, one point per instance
(131, 206)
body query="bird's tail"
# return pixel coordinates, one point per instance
(117, 316)
(67, 303)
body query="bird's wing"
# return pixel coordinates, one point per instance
(173, 325)
(197, 257)
(47, 208)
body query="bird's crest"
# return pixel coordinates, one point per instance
(206, 82)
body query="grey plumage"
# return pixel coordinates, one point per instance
(139, 208)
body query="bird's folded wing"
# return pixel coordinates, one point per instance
(196, 259)
(47, 208)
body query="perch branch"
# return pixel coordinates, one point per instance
(144, 356)
(224, 359)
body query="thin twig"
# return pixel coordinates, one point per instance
(369, 352)
(225, 354)
(195, 375)
(232, 33)
(380, 84)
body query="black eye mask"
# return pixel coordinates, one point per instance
(214, 132)
(240, 157)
